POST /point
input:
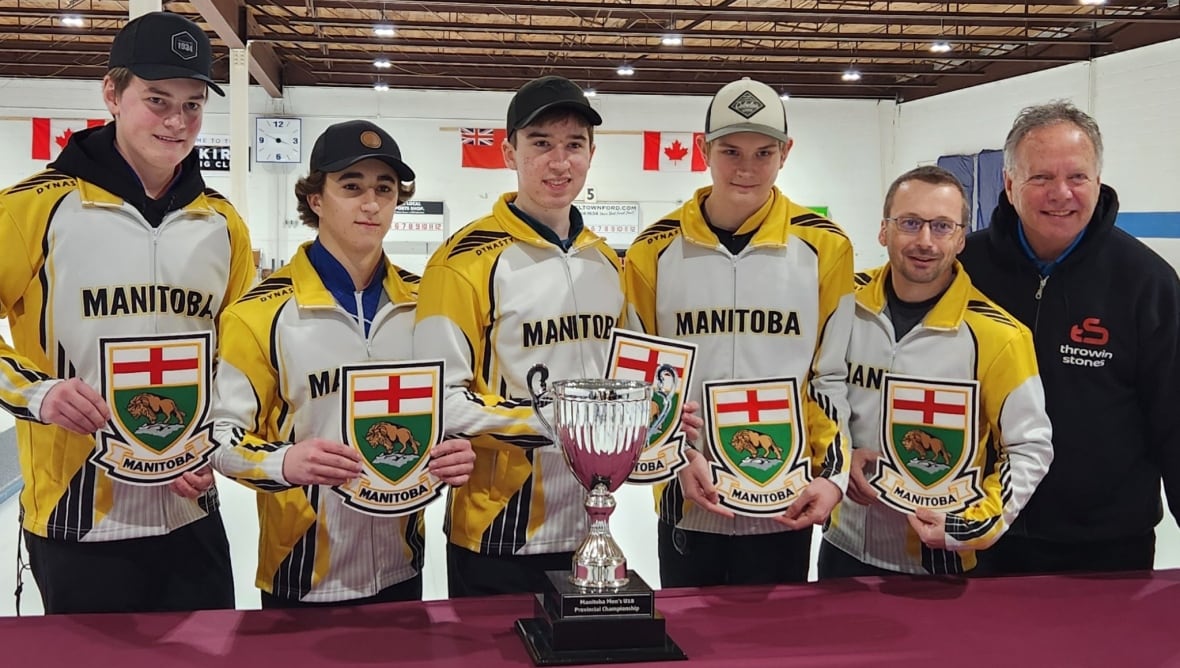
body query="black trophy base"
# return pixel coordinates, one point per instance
(575, 626)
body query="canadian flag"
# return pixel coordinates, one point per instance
(672, 152)
(50, 135)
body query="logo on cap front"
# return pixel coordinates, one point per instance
(370, 139)
(184, 45)
(747, 104)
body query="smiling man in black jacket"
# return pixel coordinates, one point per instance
(1105, 314)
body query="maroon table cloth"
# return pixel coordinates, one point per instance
(1122, 621)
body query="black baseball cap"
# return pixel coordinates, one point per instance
(163, 45)
(543, 94)
(347, 143)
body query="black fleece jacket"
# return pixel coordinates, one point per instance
(1106, 322)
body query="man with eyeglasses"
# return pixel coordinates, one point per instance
(921, 330)
(1105, 314)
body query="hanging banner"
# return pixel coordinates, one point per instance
(617, 222)
(213, 152)
(419, 220)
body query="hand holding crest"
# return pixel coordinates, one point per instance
(859, 489)
(930, 525)
(813, 506)
(193, 483)
(452, 461)
(319, 461)
(697, 484)
(690, 422)
(76, 406)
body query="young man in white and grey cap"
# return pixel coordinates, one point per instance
(718, 272)
(120, 217)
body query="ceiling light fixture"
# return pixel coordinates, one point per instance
(1093, 2)
(625, 70)
(672, 39)
(382, 64)
(784, 96)
(384, 30)
(73, 21)
(381, 86)
(850, 75)
(589, 92)
(940, 47)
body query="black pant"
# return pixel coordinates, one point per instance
(1021, 555)
(836, 563)
(696, 559)
(473, 574)
(406, 590)
(187, 569)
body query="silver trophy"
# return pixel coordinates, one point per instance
(601, 425)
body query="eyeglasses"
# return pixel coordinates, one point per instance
(939, 227)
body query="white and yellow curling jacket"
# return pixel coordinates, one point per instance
(496, 299)
(796, 271)
(282, 346)
(965, 336)
(78, 263)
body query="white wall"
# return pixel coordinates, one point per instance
(836, 144)
(846, 153)
(1134, 96)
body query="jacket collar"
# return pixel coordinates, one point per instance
(95, 195)
(770, 223)
(310, 291)
(522, 231)
(946, 314)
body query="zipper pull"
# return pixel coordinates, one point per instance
(1041, 288)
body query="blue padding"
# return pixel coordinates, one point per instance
(1151, 224)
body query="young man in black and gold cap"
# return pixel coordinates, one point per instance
(119, 238)
(338, 302)
(490, 300)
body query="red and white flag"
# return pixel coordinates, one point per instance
(394, 394)
(672, 152)
(50, 135)
(156, 366)
(481, 147)
(753, 405)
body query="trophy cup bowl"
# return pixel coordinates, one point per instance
(598, 612)
(601, 425)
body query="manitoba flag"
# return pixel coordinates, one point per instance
(672, 152)
(481, 147)
(50, 135)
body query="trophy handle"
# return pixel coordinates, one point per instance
(541, 397)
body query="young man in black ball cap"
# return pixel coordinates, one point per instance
(117, 239)
(490, 299)
(339, 301)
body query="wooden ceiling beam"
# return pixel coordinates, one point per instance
(1148, 12)
(231, 21)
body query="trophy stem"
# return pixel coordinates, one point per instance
(599, 562)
